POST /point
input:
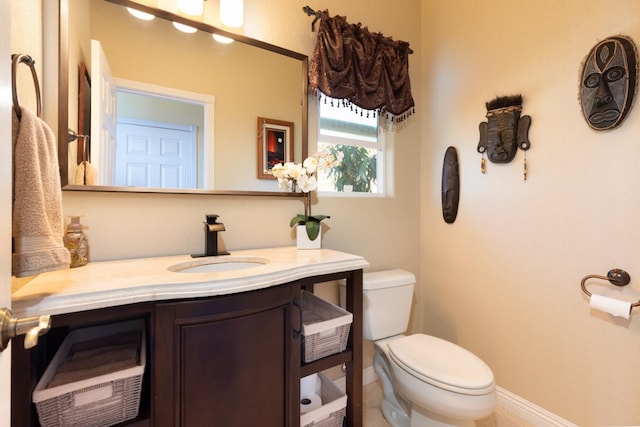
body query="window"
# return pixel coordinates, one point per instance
(353, 132)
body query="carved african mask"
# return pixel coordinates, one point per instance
(608, 82)
(504, 131)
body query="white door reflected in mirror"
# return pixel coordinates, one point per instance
(155, 154)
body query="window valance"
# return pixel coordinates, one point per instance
(363, 68)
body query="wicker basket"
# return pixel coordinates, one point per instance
(325, 328)
(99, 401)
(333, 409)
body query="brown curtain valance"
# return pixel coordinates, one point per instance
(366, 69)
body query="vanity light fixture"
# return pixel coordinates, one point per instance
(222, 39)
(232, 13)
(191, 7)
(141, 15)
(184, 28)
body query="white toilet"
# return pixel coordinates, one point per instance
(427, 381)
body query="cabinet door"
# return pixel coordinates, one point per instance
(228, 360)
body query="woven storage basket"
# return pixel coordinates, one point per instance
(333, 409)
(325, 328)
(100, 401)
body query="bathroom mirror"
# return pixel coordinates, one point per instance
(228, 85)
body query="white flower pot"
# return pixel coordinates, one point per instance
(303, 241)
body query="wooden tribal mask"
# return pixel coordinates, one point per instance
(608, 82)
(450, 185)
(504, 131)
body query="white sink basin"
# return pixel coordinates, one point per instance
(218, 264)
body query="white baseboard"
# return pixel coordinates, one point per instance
(508, 401)
(369, 375)
(528, 411)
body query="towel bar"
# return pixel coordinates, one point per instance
(616, 277)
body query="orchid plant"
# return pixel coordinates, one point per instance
(304, 177)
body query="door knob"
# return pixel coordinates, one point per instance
(30, 327)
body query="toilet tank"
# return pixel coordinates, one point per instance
(386, 298)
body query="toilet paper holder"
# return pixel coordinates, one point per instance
(615, 276)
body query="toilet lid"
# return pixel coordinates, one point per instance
(442, 363)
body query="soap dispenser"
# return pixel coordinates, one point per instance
(76, 242)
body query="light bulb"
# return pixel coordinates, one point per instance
(141, 15)
(184, 28)
(191, 7)
(231, 13)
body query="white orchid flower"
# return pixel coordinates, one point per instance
(310, 164)
(307, 183)
(284, 184)
(278, 171)
(294, 171)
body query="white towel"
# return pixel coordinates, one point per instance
(86, 174)
(38, 224)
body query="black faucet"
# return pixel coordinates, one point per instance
(211, 229)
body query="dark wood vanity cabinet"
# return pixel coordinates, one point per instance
(228, 361)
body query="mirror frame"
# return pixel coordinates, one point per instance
(63, 102)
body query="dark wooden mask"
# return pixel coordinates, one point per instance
(608, 82)
(505, 130)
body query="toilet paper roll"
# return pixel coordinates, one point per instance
(309, 403)
(308, 385)
(613, 306)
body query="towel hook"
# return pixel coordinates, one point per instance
(72, 135)
(616, 276)
(25, 59)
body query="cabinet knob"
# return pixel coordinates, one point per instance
(30, 327)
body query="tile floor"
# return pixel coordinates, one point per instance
(373, 416)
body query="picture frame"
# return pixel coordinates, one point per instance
(275, 145)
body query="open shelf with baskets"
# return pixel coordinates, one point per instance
(351, 356)
(29, 366)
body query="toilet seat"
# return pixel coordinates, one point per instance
(442, 364)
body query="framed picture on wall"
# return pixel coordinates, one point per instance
(275, 145)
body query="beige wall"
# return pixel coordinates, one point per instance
(26, 36)
(504, 279)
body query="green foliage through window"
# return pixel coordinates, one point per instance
(358, 168)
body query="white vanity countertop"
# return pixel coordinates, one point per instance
(112, 283)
